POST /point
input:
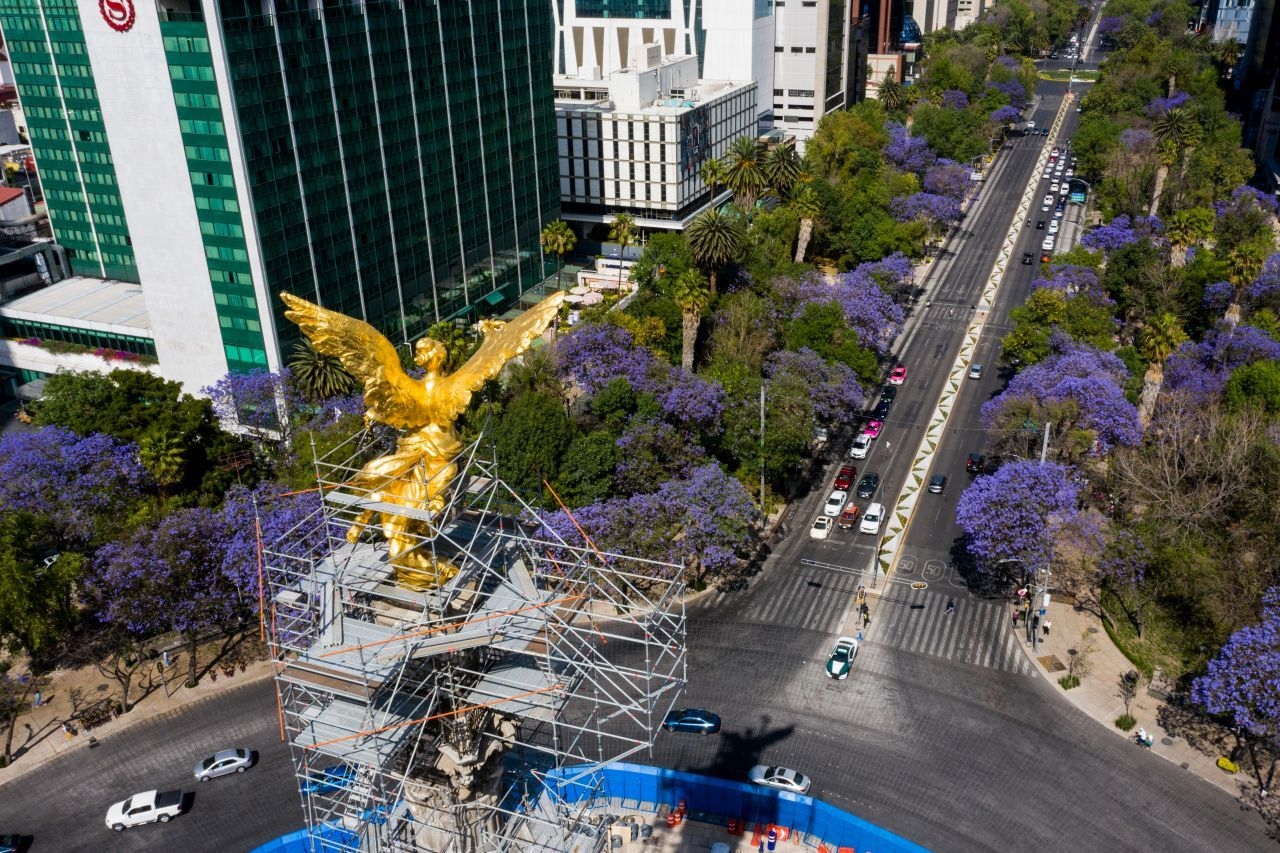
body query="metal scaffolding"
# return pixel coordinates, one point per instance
(421, 715)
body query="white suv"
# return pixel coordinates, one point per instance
(861, 447)
(871, 519)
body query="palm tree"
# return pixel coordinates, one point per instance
(1157, 341)
(807, 207)
(892, 94)
(621, 232)
(745, 173)
(690, 292)
(558, 239)
(1228, 53)
(1173, 132)
(714, 175)
(162, 454)
(456, 345)
(319, 376)
(782, 168)
(714, 239)
(1185, 229)
(1244, 264)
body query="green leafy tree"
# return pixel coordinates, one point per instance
(1256, 384)
(36, 604)
(691, 294)
(531, 440)
(1159, 338)
(319, 376)
(587, 473)
(622, 231)
(714, 239)
(665, 256)
(558, 239)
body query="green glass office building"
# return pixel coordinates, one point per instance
(391, 159)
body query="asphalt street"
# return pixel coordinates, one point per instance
(63, 804)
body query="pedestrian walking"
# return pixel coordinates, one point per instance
(866, 620)
(1015, 618)
(1035, 623)
(39, 698)
(1047, 623)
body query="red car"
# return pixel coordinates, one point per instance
(898, 375)
(872, 429)
(845, 478)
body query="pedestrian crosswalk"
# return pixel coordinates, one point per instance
(819, 598)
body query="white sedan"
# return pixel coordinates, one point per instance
(821, 528)
(782, 778)
(835, 503)
(1047, 203)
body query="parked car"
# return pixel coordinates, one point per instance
(861, 447)
(849, 517)
(868, 484)
(872, 429)
(975, 463)
(1045, 257)
(888, 393)
(10, 843)
(328, 780)
(693, 720)
(1047, 244)
(146, 807)
(1053, 227)
(1047, 204)
(820, 436)
(845, 477)
(1039, 224)
(881, 410)
(1028, 258)
(821, 528)
(1053, 187)
(782, 778)
(937, 484)
(898, 375)
(835, 502)
(871, 519)
(975, 371)
(224, 763)
(840, 661)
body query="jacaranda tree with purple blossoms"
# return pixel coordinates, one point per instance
(1009, 518)
(1243, 682)
(169, 577)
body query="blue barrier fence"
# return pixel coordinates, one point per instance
(717, 800)
(325, 839)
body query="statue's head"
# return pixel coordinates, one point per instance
(429, 354)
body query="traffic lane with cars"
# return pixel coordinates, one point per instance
(64, 803)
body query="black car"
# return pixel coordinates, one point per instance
(937, 484)
(693, 720)
(975, 463)
(881, 411)
(1040, 224)
(868, 484)
(1028, 258)
(888, 393)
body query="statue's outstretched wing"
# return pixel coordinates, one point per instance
(390, 395)
(501, 344)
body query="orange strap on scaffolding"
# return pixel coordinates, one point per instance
(439, 716)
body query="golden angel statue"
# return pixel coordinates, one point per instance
(418, 474)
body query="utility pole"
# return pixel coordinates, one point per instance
(1044, 447)
(762, 509)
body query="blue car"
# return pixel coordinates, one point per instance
(694, 720)
(328, 780)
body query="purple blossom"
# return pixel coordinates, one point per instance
(654, 451)
(906, 152)
(935, 209)
(1161, 106)
(868, 309)
(1122, 231)
(1074, 280)
(1013, 90)
(288, 524)
(954, 99)
(1186, 373)
(1244, 200)
(833, 388)
(1264, 292)
(1137, 139)
(84, 486)
(1006, 114)
(1013, 513)
(1218, 296)
(1090, 379)
(257, 400)
(1154, 18)
(690, 401)
(1109, 25)
(1010, 62)
(594, 354)
(1227, 348)
(948, 179)
(1243, 680)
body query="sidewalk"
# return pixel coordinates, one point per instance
(1098, 694)
(38, 736)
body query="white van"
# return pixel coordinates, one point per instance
(871, 519)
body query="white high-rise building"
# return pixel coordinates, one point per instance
(812, 54)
